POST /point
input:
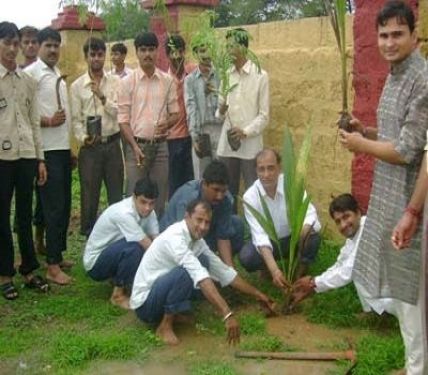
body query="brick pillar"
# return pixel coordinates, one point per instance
(179, 11)
(369, 74)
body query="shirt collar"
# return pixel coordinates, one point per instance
(141, 74)
(45, 66)
(403, 65)
(199, 74)
(87, 79)
(187, 237)
(246, 67)
(187, 70)
(279, 187)
(4, 71)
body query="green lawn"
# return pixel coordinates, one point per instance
(71, 327)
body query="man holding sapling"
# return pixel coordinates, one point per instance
(179, 141)
(95, 126)
(397, 144)
(245, 112)
(121, 235)
(226, 232)
(178, 267)
(201, 99)
(55, 194)
(148, 107)
(260, 253)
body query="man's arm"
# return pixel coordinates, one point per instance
(277, 276)
(224, 248)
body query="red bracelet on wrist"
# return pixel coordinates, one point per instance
(414, 212)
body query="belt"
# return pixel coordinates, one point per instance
(109, 138)
(145, 141)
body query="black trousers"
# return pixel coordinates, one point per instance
(17, 176)
(180, 163)
(55, 196)
(98, 163)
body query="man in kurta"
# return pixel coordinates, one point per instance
(94, 96)
(147, 108)
(245, 112)
(397, 144)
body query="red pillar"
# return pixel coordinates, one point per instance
(369, 74)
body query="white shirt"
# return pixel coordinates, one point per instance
(248, 110)
(57, 138)
(126, 71)
(120, 220)
(278, 210)
(174, 248)
(340, 274)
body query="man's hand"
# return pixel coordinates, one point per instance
(302, 288)
(95, 88)
(57, 119)
(161, 130)
(237, 133)
(351, 141)
(139, 156)
(267, 305)
(233, 331)
(356, 125)
(90, 140)
(279, 280)
(404, 230)
(42, 173)
(223, 109)
(73, 161)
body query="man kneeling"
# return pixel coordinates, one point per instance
(178, 262)
(119, 238)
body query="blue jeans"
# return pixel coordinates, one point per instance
(119, 262)
(170, 294)
(251, 260)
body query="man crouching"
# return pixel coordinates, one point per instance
(179, 262)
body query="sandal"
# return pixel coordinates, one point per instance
(9, 291)
(38, 282)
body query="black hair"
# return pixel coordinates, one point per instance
(342, 203)
(8, 30)
(146, 39)
(266, 151)
(216, 173)
(396, 9)
(147, 188)
(239, 35)
(191, 206)
(28, 30)
(95, 44)
(48, 33)
(174, 42)
(119, 47)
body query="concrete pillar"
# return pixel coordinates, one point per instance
(369, 74)
(180, 12)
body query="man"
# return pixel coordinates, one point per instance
(245, 113)
(94, 94)
(118, 56)
(121, 235)
(21, 160)
(201, 100)
(259, 253)
(178, 262)
(397, 144)
(226, 233)
(29, 45)
(179, 141)
(147, 109)
(346, 214)
(55, 122)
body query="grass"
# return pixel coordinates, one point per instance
(69, 329)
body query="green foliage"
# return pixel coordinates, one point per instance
(252, 324)
(265, 343)
(212, 368)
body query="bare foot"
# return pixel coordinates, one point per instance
(57, 276)
(167, 336)
(119, 298)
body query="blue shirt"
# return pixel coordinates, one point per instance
(221, 221)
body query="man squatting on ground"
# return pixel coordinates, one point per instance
(346, 214)
(178, 264)
(259, 253)
(121, 235)
(226, 232)
(55, 122)
(397, 144)
(100, 156)
(21, 161)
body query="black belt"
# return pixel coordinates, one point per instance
(144, 141)
(109, 138)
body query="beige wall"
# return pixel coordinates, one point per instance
(302, 60)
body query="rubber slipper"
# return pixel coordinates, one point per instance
(39, 283)
(9, 291)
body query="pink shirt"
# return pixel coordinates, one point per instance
(143, 101)
(180, 128)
